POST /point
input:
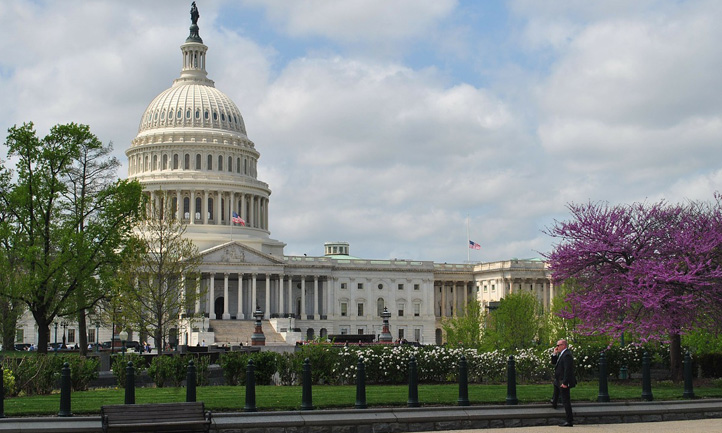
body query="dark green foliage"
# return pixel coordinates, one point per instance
(167, 368)
(203, 373)
(235, 364)
(82, 371)
(120, 362)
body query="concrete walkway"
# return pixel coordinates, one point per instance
(697, 426)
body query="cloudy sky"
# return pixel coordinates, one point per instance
(388, 124)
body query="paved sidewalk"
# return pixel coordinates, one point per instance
(697, 426)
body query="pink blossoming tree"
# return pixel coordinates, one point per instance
(650, 269)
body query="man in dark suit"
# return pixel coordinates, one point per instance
(564, 379)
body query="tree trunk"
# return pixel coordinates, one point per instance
(675, 357)
(82, 333)
(43, 335)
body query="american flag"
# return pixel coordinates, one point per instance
(237, 219)
(474, 246)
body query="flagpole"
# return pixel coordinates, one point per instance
(468, 239)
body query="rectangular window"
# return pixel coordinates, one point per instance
(91, 335)
(417, 335)
(20, 335)
(344, 309)
(360, 331)
(401, 334)
(493, 287)
(360, 286)
(486, 289)
(417, 286)
(360, 309)
(417, 310)
(401, 310)
(343, 286)
(344, 330)
(401, 286)
(71, 335)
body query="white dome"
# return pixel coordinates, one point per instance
(191, 104)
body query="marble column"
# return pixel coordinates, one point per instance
(226, 312)
(239, 314)
(212, 297)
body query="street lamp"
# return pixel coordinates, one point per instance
(56, 334)
(64, 324)
(97, 337)
(123, 338)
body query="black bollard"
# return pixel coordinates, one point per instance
(2, 391)
(688, 387)
(306, 397)
(603, 387)
(250, 387)
(511, 382)
(413, 400)
(191, 382)
(360, 385)
(646, 379)
(65, 388)
(463, 382)
(129, 384)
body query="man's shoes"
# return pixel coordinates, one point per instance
(554, 405)
(566, 424)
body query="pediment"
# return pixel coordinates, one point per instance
(235, 253)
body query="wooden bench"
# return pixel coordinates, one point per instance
(158, 417)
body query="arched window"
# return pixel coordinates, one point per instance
(198, 161)
(180, 114)
(230, 163)
(199, 202)
(215, 115)
(198, 114)
(210, 163)
(187, 162)
(205, 114)
(165, 162)
(223, 210)
(245, 166)
(155, 162)
(175, 162)
(175, 208)
(188, 113)
(220, 163)
(186, 208)
(210, 208)
(238, 165)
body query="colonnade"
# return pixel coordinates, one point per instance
(212, 207)
(236, 295)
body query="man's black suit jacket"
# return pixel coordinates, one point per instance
(564, 370)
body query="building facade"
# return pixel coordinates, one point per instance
(193, 156)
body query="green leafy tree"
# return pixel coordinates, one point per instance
(465, 330)
(162, 273)
(53, 260)
(515, 324)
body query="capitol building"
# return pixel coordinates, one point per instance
(192, 154)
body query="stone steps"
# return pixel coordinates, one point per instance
(233, 332)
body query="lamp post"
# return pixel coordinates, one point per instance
(56, 334)
(97, 336)
(123, 335)
(64, 324)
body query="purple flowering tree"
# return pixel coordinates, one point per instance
(650, 269)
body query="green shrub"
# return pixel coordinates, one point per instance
(162, 369)
(8, 383)
(82, 371)
(34, 374)
(289, 364)
(203, 373)
(234, 367)
(120, 363)
(266, 366)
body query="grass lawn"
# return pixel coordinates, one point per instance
(269, 398)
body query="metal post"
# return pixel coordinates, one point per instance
(413, 400)
(511, 382)
(603, 387)
(129, 384)
(65, 389)
(2, 390)
(688, 386)
(463, 382)
(360, 385)
(306, 397)
(646, 379)
(191, 382)
(250, 387)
